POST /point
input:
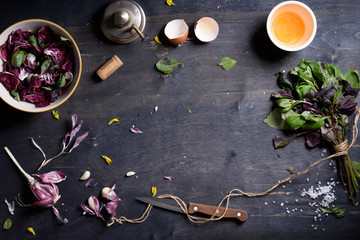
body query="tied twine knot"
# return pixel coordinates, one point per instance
(340, 149)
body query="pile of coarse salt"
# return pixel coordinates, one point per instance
(326, 191)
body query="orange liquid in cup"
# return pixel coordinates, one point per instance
(289, 27)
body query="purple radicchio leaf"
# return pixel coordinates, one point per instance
(45, 34)
(52, 177)
(9, 80)
(280, 142)
(313, 139)
(40, 99)
(57, 214)
(11, 206)
(109, 193)
(111, 207)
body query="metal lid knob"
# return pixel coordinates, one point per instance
(123, 21)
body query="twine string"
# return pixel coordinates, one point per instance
(340, 149)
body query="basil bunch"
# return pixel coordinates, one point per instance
(316, 100)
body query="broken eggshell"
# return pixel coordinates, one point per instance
(206, 29)
(176, 31)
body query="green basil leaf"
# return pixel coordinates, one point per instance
(356, 166)
(339, 212)
(167, 65)
(316, 69)
(334, 71)
(45, 65)
(295, 121)
(18, 58)
(227, 63)
(275, 120)
(15, 95)
(352, 76)
(311, 125)
(302, 90)
(61, 81)
(32, 40)
(7, 224)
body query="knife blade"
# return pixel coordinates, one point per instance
(209, 210)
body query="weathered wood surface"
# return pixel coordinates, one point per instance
(222, 145)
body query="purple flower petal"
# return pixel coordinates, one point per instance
(87, 209)
(79, 139)
(52, 177)
(136, 130)
(168, 178)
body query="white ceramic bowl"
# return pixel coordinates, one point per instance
(308, 20)
(34, 25)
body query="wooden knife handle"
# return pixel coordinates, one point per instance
(209, 210)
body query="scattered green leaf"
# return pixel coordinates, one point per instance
(167, 65)
(337, 211)
(7, 224)
(189, 111)
(227, 63)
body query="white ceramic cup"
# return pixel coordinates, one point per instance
(307, 21)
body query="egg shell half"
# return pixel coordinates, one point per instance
(206, 29)
(176, 31)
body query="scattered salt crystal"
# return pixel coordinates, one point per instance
(281, 204)
(266, 203)
(287, 211)
(296, 200)
(307, 179)
(156, 108)
(283, 186)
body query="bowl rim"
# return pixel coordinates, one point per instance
(76, 48)
(272, 38)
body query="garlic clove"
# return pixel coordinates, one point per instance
(85, 175)
(129, 174)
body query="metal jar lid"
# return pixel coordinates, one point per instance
(123, 21)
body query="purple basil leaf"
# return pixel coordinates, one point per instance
(347, 89)
(79, 139)
(283, 94)
(57, 214)
(313, 139)
(347, 105)
(280, 142)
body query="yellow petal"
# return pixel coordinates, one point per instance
(107, 159)
(55, 114)
(153, 191)
(112, 121)
(170, 3)
(31, 230)
(156, 38)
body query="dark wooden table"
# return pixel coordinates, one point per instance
(223, 144)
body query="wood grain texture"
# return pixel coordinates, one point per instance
(223, 144)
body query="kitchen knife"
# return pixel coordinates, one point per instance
(209, 210)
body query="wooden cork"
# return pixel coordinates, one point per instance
(109, 67)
